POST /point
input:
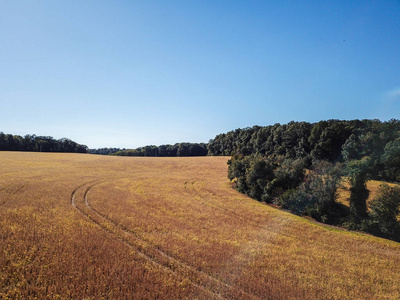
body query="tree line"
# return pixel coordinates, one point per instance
(178, 149)
(105, 151)
(31, 142)
(299, 166)
(332, 141)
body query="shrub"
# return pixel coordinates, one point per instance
(384, 210)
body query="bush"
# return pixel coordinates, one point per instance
(288, 175)
(384, 210)
(298, 201)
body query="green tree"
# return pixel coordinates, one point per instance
(316, 195)
(384, 211)
(391, 160)
(260, 172)
(237, 171)
(287, 175)
(3, 142)
(357, 172)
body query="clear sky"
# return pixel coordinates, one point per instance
(134, 73)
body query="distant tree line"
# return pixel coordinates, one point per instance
(105, 151)
(178, 149)
(299, 166)
(31, 142)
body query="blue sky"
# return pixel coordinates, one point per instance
(133, 73)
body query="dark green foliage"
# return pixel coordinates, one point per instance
(391, 160)
(384, 211)
(298, 201)
(352, 148)
(331, 140)
(358, 196)
(323, 181)
(269, 165)
(105, 151)
(316, 195)
(357, 171)
(287, 175)
(9, 142)
(179, 149)
(258, 175)
(251, 174)
(264, 179)
(237, 167)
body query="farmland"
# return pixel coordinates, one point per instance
(83, 226)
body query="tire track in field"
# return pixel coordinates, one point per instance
(205, 200)
(225, 210)
(140, 252)
(192, 270)
(231, 212)
(13, 193)
(267, 231)
(205, 282)
(2, 202)
(164, 261)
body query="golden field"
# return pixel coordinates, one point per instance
(372, 186)
(79, 226)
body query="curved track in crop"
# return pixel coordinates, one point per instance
(205, 194)
(13, 191)
(208, 284)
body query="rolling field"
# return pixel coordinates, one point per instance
(79, 226)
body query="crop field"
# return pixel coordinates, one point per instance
(79, 226)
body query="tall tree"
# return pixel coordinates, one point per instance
(358, 172)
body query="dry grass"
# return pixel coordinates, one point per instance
(80, 226)
(372, 186)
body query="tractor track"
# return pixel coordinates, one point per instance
(18, 189)
(123, 239)
(233, 213)
(151, 253)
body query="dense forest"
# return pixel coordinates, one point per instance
(9, 142)
(299, 166)
(178, 149)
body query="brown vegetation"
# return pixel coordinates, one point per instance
(81, 226)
